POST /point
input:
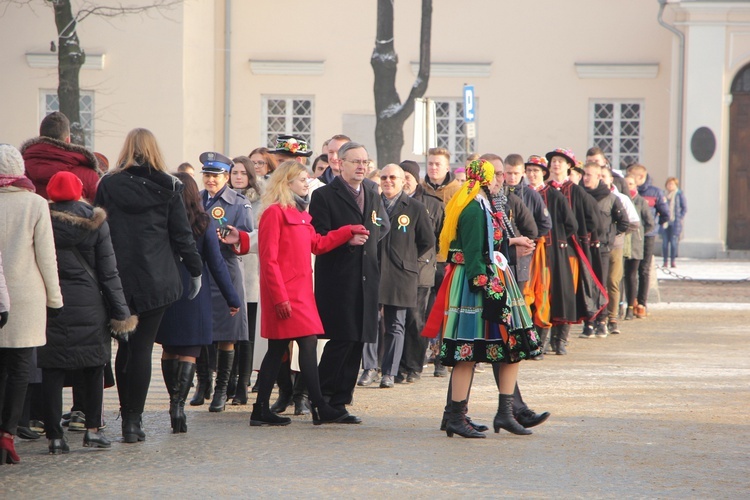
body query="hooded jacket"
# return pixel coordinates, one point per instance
(44, 157)
(79, 336)
(656, 201)
(150, 230)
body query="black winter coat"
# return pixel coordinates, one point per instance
(428, 262)
(523, 225)
(79, 336)
(347, 278)
(412, 236)
(150, 231)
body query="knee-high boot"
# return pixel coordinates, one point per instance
(205, 380)
(544, 335)
(562, 339)
(244, 369)
(184, 377)
(169, 372)
(224, 368)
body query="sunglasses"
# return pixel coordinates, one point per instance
(391, 177)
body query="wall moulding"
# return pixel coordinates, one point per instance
(49, 60)
(286, 68)
(455, 69)
(617, 70)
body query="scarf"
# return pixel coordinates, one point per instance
(19, 181)
(390, 204)
(479, 173)
(301, 202)
(671, 198)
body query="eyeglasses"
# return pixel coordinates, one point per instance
(364, 163)
(259, 163)
(391, 177)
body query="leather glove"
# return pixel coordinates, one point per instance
(284, 310)
(53, 313)
(359, 229)
(195, 287)
(3, 318)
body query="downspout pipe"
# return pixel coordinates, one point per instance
(680, 86)
(227, 71)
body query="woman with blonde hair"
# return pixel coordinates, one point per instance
(288, 309)
(150, 232)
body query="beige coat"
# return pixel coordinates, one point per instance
(4, 299)
(30, 266)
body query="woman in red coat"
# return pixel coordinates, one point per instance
(288, 309)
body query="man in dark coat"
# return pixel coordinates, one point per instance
(399, 252)
(656, 200)
(347, 279)
(612, 212)
(561, 161)
(52, 152)
(412, 359)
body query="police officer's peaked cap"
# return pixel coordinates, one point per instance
(215, 163)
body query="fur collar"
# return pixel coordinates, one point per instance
(92, 224)
(92, 162)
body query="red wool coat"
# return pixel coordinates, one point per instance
(285, 241)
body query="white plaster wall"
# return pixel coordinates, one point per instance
(705, 183)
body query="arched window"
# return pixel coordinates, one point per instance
(741, 83)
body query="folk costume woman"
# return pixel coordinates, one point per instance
(287, 303)
(480, 313)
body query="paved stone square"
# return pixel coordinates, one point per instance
(662, 410)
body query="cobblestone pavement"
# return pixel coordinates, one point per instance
(661, 410)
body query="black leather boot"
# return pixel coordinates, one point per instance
(202, 371)
(326, 414)
(529, 418)
(185, 372)
(477, 427)
(169, 372)
(286, 389)
(504, 418)
(244, 369)
(300, 397)
(131, 427)
(96, 440)
(262, 415)
(457, 423)
(222, 380)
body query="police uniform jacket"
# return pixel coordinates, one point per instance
(229, 208)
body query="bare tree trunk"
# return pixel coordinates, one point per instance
(390, 113)
(70, 58)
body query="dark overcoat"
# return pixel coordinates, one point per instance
(347, 278)
(428, 261)
(410, 238)
(79, 337)
(189, 322)
(564, 226)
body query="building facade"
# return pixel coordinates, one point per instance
(230, 75)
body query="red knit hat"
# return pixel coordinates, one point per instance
(64, 186)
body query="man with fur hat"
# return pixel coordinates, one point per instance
(53, 152)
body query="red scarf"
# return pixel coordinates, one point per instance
(19, 181)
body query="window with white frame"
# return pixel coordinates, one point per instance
(617, 128)
(50, 103)
(287, 115)
(451, 132)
